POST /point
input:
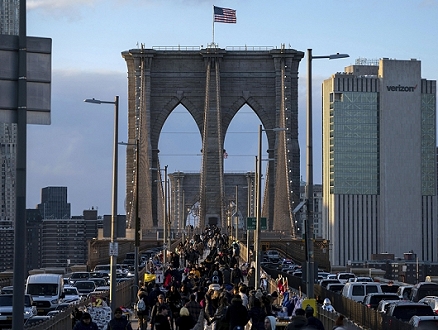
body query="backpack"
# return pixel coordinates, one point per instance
(141, 306)
(215, 279)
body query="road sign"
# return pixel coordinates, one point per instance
(252, 221)
(114, 249)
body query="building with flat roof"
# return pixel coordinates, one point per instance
(379, 161)
(54, 203)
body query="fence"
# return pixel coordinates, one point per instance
(63, 321)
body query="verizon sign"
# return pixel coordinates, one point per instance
(401, 88)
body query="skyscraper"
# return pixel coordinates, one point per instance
(379, 161)
(54, 203)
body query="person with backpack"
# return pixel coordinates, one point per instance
(142, 313)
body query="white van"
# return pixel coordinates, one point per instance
(47, 291)
(358, 290)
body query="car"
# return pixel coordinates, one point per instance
(326, 281)
(432, 301)
(53, 313)
(361, 279)
(272, 256)
(345, 277)
(323, 274)
(335, 287)
(85, 287)
(404, 310)
(7, 290)
(423, 289)
(297, 273)
(383, 305)
(332, 277)
(6, 309)
(99, 275)
(71, 294)
(372, 300)
(389, 287)
(404, 291)
(78, 276)
(99, 281)
(358, 290)
(424, 322)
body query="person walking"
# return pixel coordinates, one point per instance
(313, 321)
(270, 323)
(237, 314)
(339, 323)
(184, 321)
(162, 320)
(299, 321)
(86, 323)
(119, 321)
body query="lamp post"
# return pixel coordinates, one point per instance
(113, 249)
(310, 278)
(165, 217)
(257, 249)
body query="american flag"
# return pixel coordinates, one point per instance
(224, 15)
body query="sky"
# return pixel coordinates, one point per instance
(88, 37)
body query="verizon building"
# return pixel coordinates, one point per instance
(379, 161)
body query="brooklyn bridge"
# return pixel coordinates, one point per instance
(213, 84)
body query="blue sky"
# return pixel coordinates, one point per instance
(89, 35)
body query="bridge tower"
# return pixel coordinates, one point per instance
(213, 84)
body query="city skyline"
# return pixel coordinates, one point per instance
(76, 149)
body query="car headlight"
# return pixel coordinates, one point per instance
(54, 301)
(28, 313)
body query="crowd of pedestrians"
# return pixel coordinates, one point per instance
(206, 286)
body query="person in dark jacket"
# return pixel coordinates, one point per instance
(237, 314)
(184, 321)
(312, 320)
(119, 321)
(162, 320)
(257, 315)
(299, 321)
(86, 323)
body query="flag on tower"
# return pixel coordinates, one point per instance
(224, 15)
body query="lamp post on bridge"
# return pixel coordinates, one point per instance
(309, 173)
(113, 251)
(257, 249)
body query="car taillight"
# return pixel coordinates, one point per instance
(435, 311)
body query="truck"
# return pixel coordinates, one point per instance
(46, 290)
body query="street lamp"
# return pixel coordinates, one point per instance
(309, 172)
(113, 249)
(259, 203)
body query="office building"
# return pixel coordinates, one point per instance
(379, 161)
(9, 16)
(64, 241)
(54, 203)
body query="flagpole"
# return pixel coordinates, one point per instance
(213, 25)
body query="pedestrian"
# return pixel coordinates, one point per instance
(313, 321)
(162, 319)
(257, 315)
(339, 323)
(327, 305)
(119, 321)
(194, 308)
(236, 275)
(155, 309)
(237, 314)
(86, 323)
(184, 321)
(250, 276)
(142, 313)
(299, 321)
(270, 323)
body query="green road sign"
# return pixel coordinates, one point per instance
(252, 221)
